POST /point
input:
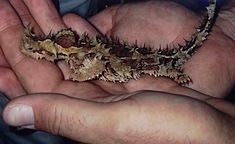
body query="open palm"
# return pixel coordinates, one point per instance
(166, 23)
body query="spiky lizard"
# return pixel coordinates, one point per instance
(110, 60)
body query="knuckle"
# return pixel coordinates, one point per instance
(8, 18)
(7, 78)
(52, 118)
(59, 119)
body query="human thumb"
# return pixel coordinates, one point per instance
(60, 115)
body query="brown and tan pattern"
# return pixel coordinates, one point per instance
(111, 60)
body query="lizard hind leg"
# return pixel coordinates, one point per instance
(179, 77)
(172, 73)
(86, 69)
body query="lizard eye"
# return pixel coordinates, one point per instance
(30, 48)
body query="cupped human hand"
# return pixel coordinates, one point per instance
(162, 23)
(30, 75)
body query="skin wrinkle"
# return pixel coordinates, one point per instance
(3, 61)
(58, 120)
(82, 94)
(9, 21)
(42, 120)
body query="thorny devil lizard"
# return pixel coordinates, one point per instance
(109, 60)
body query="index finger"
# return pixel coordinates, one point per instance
(10, 32)
(46, 15)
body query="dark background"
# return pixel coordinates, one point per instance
(231, 96)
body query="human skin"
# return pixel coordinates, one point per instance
(147, 116)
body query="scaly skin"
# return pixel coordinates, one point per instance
(110, 60)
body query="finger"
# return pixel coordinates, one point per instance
(24, 14)
(46, 15)
(9, 84)
(76, 119)
(104, 20)
(126, 120)
(79, 24)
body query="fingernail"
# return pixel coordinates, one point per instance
(19, 115)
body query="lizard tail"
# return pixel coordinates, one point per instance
(184, 52)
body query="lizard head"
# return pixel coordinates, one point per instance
(37, 47)
(28, 44)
